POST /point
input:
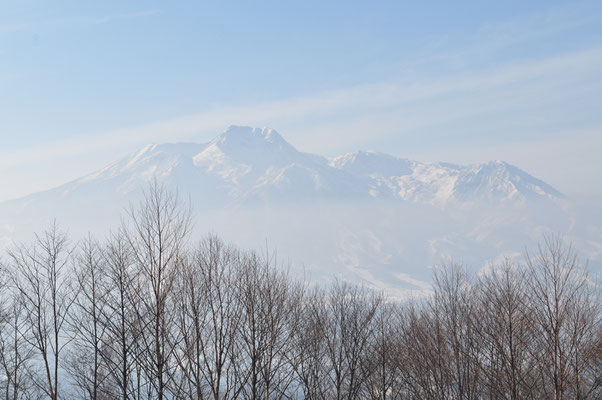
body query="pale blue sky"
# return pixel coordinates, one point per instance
(83, 83)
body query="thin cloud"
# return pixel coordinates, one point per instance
(373, 106)
(76, 20)
(97, 20)
(495, 37)
(14, 27)
(397, 110)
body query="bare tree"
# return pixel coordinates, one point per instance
(384, 378)
(119, 348)
(350, 327)
(15, 354)
(423, 357)
(42, 278)
(453, 306)
(505, 324)
(308, 358)
(191, 320)
(87, 366)
(267, 300)
(209, 315)
(566, 320)
(157, 233)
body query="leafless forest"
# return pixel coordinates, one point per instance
(147, 314)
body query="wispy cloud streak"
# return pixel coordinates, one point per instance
(522, 103)
(75, 20)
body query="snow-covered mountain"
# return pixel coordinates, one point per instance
(366, 216)
(245, 164)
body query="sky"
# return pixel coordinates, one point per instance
(85, 83)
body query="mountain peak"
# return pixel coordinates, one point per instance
(243, 162)
(248, 144)
(248, 136)
(372, 163)
(499, 179)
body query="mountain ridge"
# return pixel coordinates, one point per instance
(245, 163)
(366, 216)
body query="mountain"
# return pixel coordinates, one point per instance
(365, 216)
(442, 182)
(249, 164)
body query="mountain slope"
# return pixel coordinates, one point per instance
(249, 164)
(364, 216)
